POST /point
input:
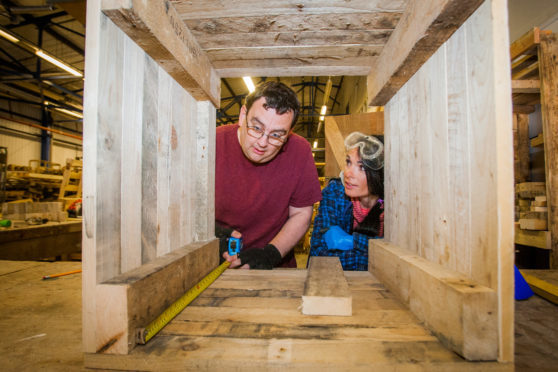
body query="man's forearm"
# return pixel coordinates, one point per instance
(293, 230)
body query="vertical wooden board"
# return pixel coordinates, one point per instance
(517, 176)
(391, 169)
(204, 218)
(413, 184)
(149, 162)
(404, 183)
(523, 146)
(480, 82)
(188, 153)
(109, 150)
(458, 155)
(548, 56)
(389, 226)
(164, 203)
(504, 177)
(442, 251)
(89, 177)
(421, 85)
(178, 176)
(131, 156)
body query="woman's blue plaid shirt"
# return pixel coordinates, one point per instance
(337, 209)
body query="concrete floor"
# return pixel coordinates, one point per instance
(40, 322)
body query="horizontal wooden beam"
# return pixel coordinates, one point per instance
(526, 86)
(249, 8)
(134, 299)
(527, 41)
(462, 313)
(424, 26)
(349, 66)
(157, 28)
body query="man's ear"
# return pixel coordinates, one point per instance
(242, 116)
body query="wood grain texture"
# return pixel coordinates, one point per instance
(326, 291)
(247, 313)
(450, 194)
(136, 298)
(149, 158)
(548, 55)
(420, 32)
(468, 323)
(156, 27)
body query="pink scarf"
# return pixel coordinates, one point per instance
(359, 212)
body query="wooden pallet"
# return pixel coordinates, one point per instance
(251, 320)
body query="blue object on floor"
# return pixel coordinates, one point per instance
(522, 289)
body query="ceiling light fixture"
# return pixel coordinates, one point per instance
(58, 63)
(9, 36)
(315, 144)
(68, 112)
(249, 83)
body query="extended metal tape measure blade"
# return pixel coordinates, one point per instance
(145, 334)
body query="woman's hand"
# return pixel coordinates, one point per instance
(337, 238)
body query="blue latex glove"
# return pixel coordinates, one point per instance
(336, 238)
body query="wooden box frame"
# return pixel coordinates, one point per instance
(140, 148)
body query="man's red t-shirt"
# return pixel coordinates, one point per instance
(255, 198)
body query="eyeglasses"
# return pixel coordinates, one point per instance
(274, 138)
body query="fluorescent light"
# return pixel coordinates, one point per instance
(68, 112)
(323, 111)
(315, 144)
(58, 63)
(249, 83)
(9, 37)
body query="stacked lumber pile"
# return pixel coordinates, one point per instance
(31, 211)
(36, 181)
(531, 209)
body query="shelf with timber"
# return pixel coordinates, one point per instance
(535, 82)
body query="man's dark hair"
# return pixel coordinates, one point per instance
(278, 96)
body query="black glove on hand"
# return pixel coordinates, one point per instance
(223, 234)
(261, 259)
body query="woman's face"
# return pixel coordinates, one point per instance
(356, 185)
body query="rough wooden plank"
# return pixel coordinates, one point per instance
(532, 224)
(270, 333)
(247, 8)
(131, 156)
(41, 241)
(459, 126)
(293, 22)
(157, 28)
(524, 43)
(522, 147)
(136, 298)
(538, 239)
(468, 324)
(543, 282)
(526, 86)
(548, 55)
(530, 190)
(322, 66)
(90, 117)
(326, 291)
(421, 30)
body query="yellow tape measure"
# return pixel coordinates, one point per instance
(145, 334)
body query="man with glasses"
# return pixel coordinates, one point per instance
(266, 182)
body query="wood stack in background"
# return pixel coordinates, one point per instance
(531, 210)
(31, 212)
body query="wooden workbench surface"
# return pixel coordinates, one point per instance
(22, 241)
(251, 320)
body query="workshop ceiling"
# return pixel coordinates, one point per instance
(302, 43)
